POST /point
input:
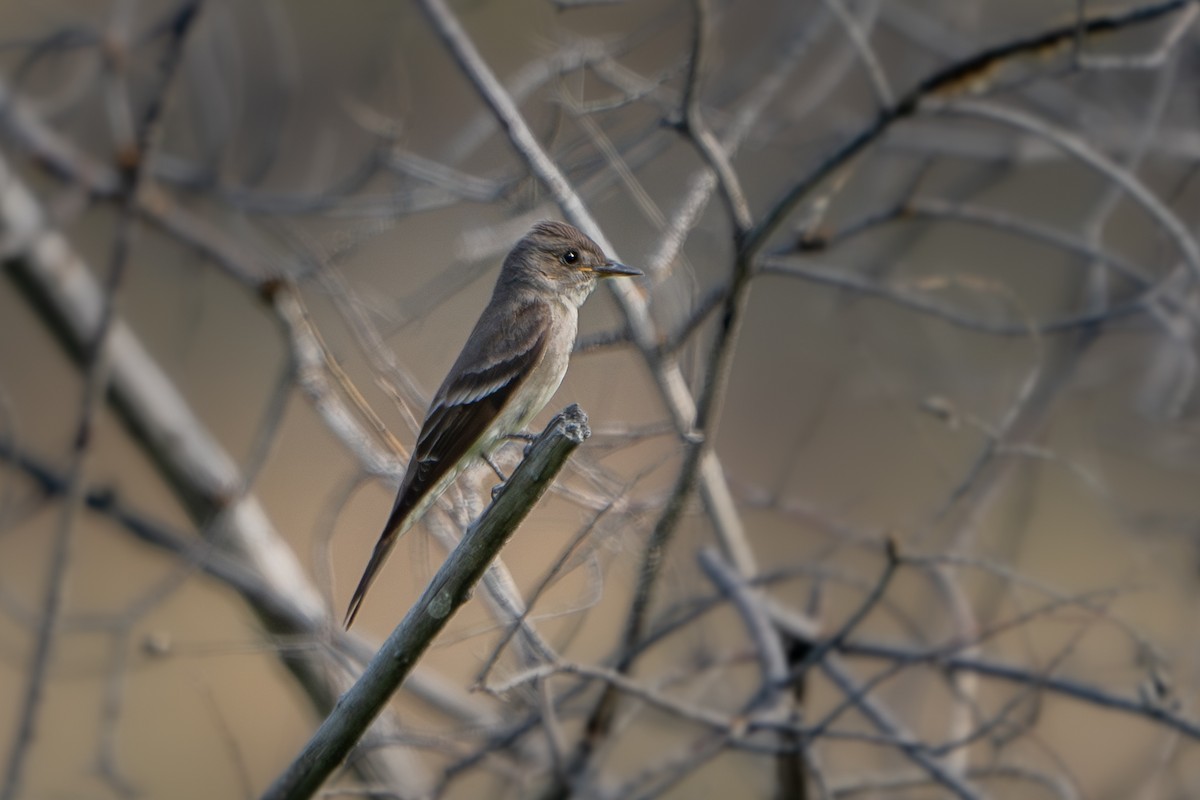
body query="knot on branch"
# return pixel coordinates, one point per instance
(574, 422)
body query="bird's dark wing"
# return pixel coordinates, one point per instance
(500, 353)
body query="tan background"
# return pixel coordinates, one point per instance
(822, 433)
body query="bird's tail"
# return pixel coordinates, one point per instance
(377, 558)
(387, 540)
(422, 485)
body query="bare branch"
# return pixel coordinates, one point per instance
(446, 593)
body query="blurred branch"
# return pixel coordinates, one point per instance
(968, 75)
(697, 131)
(97, 366)
(936, 209)
(917, 297)
(288, 619)
(1162, 713)
(865, 52)
(1085, 153)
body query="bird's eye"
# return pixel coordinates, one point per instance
(570, 257)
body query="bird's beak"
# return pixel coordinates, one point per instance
(612, 269)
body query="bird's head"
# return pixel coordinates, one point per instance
(560, 258)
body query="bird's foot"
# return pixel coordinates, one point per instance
(496, 469)
(526, 437)
(499, 474)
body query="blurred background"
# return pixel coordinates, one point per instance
(926, 267)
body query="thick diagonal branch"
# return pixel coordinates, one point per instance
(450, 588)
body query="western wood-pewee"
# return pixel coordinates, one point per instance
(512, 363)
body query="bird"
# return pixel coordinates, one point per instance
(512, 363)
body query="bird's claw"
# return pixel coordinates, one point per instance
(526, 437)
